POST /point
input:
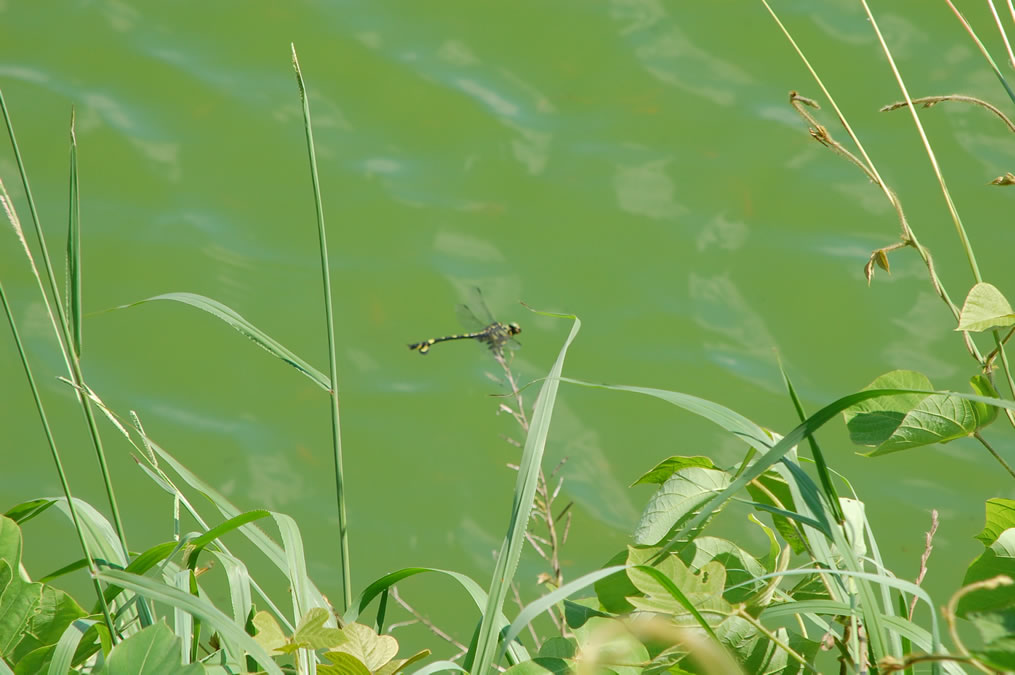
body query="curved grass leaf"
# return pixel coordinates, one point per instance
(234, 639)
(67, 645)
(153, 651)
(440, 667)
(534, 609)
(474, 590)
(245, 328)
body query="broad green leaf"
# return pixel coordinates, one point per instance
(542, 666)
(702, 589)
(312, 631)
(1000, 517)
(740, 566)
(19, 598)
(371, 649)
(577, 612)
(998, 650)
(612, 591)
(666, 468)
(985, 308)
(904, 421)
(152, 651)
(54, 613)
(559, 648)
(607, 643)
(678, 500)
(997, 559)
(269, 634)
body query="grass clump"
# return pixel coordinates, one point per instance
(676, 600)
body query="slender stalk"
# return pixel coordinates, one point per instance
(336, 431)
(64, 484)
(63, 332)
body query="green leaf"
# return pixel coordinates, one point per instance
(269, 634)
(19, 599)
(985, 308)
(998, 559)
(741, 567)
(398, 665)
(234, 638)
(371, 649)
(25, 511)
(986, 414)
(245, 328)
(666, 468)
(905, 421)
(777, 493)
(312, 631)
(607, 643)
(997, 632)
(152, 651)
(577, 612)
(53, 614)
(1000, 517)
(679, 499)
(613, 591)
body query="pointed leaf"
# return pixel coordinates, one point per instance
(666, 468)
(679, 499)
(985, 308)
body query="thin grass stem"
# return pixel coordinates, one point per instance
(336, 431)
(62, 329)
(64, 483)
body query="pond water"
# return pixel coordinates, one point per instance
(632, 161)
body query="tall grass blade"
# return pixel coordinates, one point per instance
(336, 432)
(525, 488)
(819, 458)
(74, 245)
(41, 505)
(59, 321)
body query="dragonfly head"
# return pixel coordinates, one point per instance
(514, 328)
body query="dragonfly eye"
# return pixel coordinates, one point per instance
(514, 328)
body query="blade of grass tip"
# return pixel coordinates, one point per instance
(74, 244)
(525, 488)
(983, 50)
(819, 457)
(62, 328)
(336, 434)
(1004, 35)
(64, 483)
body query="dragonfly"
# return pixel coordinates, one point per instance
(489, 331)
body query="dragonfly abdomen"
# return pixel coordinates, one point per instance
(494, 336)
